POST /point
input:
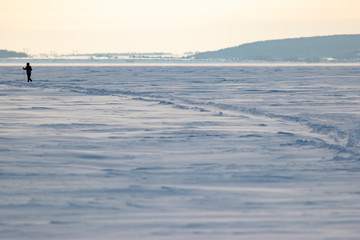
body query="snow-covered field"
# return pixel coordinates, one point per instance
(180, 152)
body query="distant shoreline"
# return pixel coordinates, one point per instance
(205, 64)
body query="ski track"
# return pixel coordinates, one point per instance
(180, 152)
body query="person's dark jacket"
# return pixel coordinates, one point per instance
(28, 69)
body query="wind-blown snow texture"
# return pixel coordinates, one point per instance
(180, 152)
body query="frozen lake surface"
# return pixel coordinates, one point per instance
(180, 152)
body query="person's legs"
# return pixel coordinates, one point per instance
(29, 78)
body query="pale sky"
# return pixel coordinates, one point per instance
(177, 26)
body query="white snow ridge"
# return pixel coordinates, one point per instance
(180, 152)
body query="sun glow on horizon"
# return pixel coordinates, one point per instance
(166, 25)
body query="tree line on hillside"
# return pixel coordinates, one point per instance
(335, 48)
(12, 54)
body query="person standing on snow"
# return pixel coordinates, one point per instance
(28, 69)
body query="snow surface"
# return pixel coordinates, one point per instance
(180, 152)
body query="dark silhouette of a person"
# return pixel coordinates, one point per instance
(28, 69)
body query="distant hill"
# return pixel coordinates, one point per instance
(335, 48)
(12, 54)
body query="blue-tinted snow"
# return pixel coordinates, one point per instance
(180, 152)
